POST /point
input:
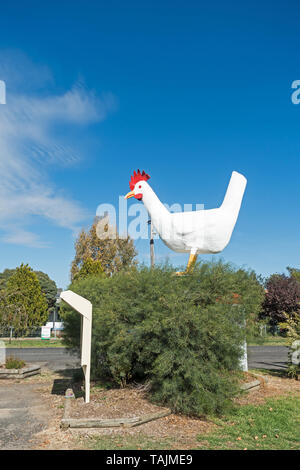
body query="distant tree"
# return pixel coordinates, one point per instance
(282, 298)
(114, 254)
(23, 304)
(12, 311)
(5, 276)
(294, 273)
(48, 287)
(90, 268)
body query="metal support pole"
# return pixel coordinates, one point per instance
(152, 257)
(54, 321)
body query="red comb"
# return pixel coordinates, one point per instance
(136, 177)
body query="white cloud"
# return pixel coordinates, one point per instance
(29, 143)
(18, 236)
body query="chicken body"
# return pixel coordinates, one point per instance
(197, 232)
(194, 232)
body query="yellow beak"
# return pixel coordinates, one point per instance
(130, 194)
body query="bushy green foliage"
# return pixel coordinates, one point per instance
(291, 326)
(22, 303)
(4, 276)
(90, 267)
(181, 334)
(14, 363)
(48, 286)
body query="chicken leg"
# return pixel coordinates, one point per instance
(191, 264)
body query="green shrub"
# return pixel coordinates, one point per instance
(14, 363)
(181, 334)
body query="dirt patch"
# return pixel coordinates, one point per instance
(274, 387)
(247, 377)
(117, 403)
(121, 403)
(181, 432)
(129, 403)
(49, 388)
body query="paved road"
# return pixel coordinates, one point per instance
(22, 415)
(53, 358)
(267, 357)
(259, 357)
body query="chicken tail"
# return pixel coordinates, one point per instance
(234, 195)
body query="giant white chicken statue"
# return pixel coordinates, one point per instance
(195, 232)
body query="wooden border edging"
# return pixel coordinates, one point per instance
(68, 422)
(250, 385)
(111, 423)
(263, 378)
(20, 373)
(150, 417)
(68, 396)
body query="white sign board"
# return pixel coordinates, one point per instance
(46, 332)
(84, 307)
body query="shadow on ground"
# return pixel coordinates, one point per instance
(70, 378)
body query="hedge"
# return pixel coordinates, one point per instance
(182, 335)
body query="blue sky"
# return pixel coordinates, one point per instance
(188, 91)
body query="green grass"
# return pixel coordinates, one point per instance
(33, 343)
(274, 425)
(270, 340)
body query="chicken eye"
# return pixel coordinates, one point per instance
(140, 186)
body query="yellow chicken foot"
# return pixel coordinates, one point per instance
(190, 266)
(191, 263)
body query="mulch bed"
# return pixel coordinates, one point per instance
(276, 386)
(128, 402)
(115, 403)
